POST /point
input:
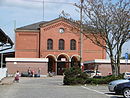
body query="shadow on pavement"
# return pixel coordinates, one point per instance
(111, 93)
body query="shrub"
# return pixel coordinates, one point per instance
(74, 76)
(103, 80)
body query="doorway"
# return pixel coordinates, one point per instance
(62, 63)
(75, 62)
(51, 64)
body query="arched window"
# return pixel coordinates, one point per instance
(72, 44)
(61, 44)
(49, 44)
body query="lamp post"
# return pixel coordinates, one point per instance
(43, 10)
(81, 35)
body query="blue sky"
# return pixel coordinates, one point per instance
(25, 12)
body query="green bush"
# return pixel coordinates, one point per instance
(103, 80)
(74, 76)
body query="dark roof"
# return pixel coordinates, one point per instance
(4, 38)
(35, 26)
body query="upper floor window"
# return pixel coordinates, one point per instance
(49, 44)
(72, 44)
(61, 44)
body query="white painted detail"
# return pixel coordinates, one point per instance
(107, 61)
(15, 62)
(3, 73)
(95, 91)
(63, 59)
(26, 59)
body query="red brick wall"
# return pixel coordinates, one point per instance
(51, 32)
(90, 51)
(23, 67)
(27, 43)
(105, 69)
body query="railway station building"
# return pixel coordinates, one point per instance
(58, 41)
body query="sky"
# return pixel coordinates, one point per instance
(18, 13)
(25, 12)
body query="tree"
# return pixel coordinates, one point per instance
(108, 21)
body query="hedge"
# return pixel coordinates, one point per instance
(75, 76)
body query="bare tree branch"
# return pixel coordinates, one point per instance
(108, 22)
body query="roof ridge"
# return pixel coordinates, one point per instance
(33, 26)
(36, 26)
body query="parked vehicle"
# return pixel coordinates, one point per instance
(93, 73)
(124, 89)
(127, 75)
(112, 84)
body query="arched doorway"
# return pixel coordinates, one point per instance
(51, 64)
(62, 63)
(75, 62)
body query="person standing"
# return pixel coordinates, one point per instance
(29, 72)
(39, 72)
(16, 78)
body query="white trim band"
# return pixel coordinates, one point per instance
(26, 59)
(106, 61)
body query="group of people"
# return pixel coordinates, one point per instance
(31, 73)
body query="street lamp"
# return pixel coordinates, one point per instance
(81, 29)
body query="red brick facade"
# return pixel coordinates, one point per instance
(32, 43)
(23, 64)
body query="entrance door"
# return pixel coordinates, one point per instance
(62, 63)
(51, 64)
(60, 68)
(75, 62)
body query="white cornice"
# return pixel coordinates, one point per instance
(26, 59)
(107, 61)
(27, 31)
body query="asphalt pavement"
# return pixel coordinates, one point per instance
(7, 81)
(51, 87)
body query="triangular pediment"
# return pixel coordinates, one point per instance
(66, 23)
(46, 25)
(70, 21)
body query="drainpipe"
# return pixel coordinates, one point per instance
(39, 43)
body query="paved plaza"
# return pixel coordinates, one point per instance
(52, 87)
